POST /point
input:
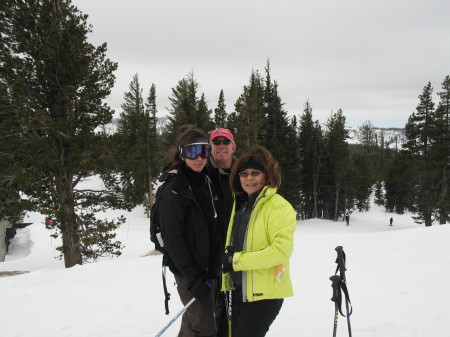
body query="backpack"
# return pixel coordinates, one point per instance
(155, 234)
(155, 226)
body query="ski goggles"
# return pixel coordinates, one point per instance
(192, 151)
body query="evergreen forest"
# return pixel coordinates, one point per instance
(55, 134)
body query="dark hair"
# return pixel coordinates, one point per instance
(262, 156)
(187, 134)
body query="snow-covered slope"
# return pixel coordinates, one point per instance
(397, 277)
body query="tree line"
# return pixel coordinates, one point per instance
(54, 137)
(323, 175)
(418, 179)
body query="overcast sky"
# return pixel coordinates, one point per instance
(370, 58)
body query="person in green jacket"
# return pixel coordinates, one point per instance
(259, 244)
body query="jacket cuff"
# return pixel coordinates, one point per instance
(235, 261)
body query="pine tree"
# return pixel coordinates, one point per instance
(259, 118)
(220, 114)
(10, 207)
(273, 114)
(281, 139)
(276, 125)
(133, 138)
(183, 107)
(441, 150)
(248, 119)
(335, 164)
(56, 81)
(366, 135)
(364, 164)
(132, 111)
(360, 181)
(187, 108)
(379, 194)
(203, 115)
(381, 157)
(289, 160)
(311, 154)
(418, 130)
(399, 182)
(155, 156)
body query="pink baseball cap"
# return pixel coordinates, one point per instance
(221, 133)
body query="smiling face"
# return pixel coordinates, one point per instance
(252, 180)
(222, 153)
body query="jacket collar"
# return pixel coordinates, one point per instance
(265, 194)
(178, 180)
(267, 191)
(221, 170)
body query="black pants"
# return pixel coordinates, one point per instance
(253, 319)
(221, 314)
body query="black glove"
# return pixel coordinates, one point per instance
(227, 260)
(201, 287)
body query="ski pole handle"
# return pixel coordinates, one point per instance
(340, 258)
(179, 313)
(336, 285)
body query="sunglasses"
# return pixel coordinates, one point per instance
(192, 151)
(224, 142)
(245, 174)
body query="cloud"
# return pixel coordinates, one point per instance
(370, 58)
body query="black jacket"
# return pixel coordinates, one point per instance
(187, 228)
(221, 182)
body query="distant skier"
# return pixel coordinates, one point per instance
(347, 218)
(391, 220)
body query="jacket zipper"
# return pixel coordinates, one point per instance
(250, 223)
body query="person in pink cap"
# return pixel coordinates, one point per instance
(219, 166)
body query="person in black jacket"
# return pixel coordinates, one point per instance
(189, 229)
(219, 167)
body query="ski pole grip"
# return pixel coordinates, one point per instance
(336, 285)
(341, 258)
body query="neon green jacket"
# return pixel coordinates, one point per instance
(268, 246)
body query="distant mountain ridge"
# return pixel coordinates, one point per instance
(393, 137)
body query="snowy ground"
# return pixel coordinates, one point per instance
(398, 278)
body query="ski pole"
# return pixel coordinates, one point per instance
(348, 311)
(229, 311)
(335, 284)
(341, 261)
(179, 313)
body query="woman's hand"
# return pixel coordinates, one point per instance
(227, 260)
